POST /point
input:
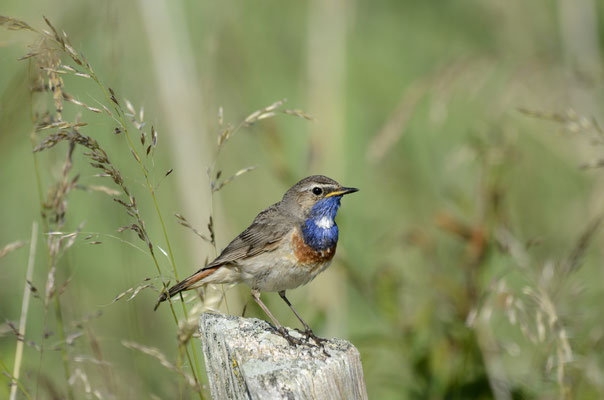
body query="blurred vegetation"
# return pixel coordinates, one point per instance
(470, 261)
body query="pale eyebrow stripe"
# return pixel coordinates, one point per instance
(322, 185)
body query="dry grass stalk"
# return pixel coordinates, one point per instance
(216, 186)
(573, 123)
(267, 112)
(53, 211)
(163, 360)
(87, 359)
(570, 119)
(18, 384)
(575, 259)
(46, 56)
(395, 126)
(184, 222)
(102, 189)
(54, 43)
(134, 290)
(80, 375)
(24, 309)
(440, 84)
(534, 309)
(100, 160)
(71, 99)
(11, 247)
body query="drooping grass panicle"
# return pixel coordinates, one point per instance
(46, 56)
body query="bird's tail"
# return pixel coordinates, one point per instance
(186, 284)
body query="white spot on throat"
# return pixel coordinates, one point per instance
(324, 223)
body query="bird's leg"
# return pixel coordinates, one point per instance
(306, 327)
(244, 309)
(307, 331)
(280, 329)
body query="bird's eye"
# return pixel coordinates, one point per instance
(317, 190)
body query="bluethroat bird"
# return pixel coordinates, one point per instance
(286, 246)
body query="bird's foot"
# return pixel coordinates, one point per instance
(309, 334)
(306, 336)
(290, 339)
(319, 342)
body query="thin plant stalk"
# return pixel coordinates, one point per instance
(58, 312)
(60, 325)
(124, 126)
(32, 137)
(17, 381)
(111, 99)
(44, 221)
(24, 309)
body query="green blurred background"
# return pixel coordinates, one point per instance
(461, 270)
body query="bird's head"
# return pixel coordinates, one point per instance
(317, 195)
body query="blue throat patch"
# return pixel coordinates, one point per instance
(320, 231)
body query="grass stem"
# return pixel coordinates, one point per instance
(14, 381)
(60, 325)
(195, 370)
(24, 310)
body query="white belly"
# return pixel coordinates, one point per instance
(278, 270)
(269, 272)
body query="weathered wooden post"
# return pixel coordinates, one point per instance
(246, 359)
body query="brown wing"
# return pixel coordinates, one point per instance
(264, 234)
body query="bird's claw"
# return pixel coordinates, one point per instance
(309, 334)
(319, 342)
(317, 339)
(306, 336)
(290, 339)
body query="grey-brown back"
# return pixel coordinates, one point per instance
(264, 234)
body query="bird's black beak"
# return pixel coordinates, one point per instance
(342, 191)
